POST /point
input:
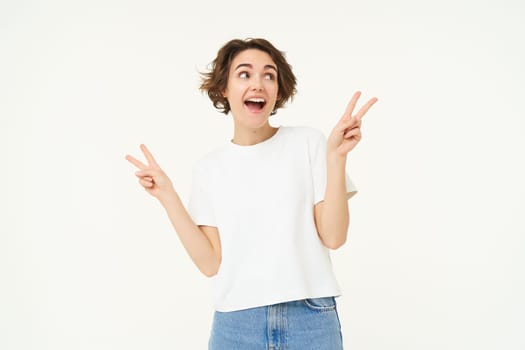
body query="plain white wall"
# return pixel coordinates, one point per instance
(435, 256)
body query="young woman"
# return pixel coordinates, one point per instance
(265, 208)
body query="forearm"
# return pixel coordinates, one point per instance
(195, 242)
(335, 216)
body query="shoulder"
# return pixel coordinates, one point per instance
(208, 160)
(305, 138)
(307, 132)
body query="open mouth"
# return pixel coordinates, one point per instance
(255, 104)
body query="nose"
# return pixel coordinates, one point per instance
(257, 84)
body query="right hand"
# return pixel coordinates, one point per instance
(151, 176)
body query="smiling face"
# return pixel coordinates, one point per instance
(252, 88)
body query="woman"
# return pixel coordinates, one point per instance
(265, 208)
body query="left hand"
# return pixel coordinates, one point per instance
(347, 133)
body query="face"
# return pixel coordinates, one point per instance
(252, 87)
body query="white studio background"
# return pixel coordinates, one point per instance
(435, 256)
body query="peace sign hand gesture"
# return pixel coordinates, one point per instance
(347, 133)
(151, 176)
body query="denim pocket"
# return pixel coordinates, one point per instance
(320, 304)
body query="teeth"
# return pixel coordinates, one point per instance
(256, 100)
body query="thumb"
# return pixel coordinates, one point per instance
(146, 172)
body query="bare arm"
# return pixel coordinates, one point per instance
(331, 215)
(202, 243)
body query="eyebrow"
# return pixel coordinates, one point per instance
(268, 66)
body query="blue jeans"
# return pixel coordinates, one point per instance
(306, 324)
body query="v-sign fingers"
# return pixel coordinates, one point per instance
(351, 105)
(136, 162)
(365, 108)
(148, 155)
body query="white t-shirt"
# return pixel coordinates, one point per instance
(261, 199)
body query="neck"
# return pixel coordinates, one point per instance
(250, 136)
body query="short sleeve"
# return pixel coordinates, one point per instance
(200, 205)
(318, 163)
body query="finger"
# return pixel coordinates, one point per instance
(342, 127)
(146, 172)
(148, 155)
(353, 132)
(351, 105)
(145, 183)
(135, 162)
(350, 123)
(353, 129)
(365, 108)
(147, 178)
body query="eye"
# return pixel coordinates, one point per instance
(269, 76)
(243, 75)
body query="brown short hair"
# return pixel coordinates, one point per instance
(215, 81)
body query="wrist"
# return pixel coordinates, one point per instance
(168, 197)
(335, 159)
